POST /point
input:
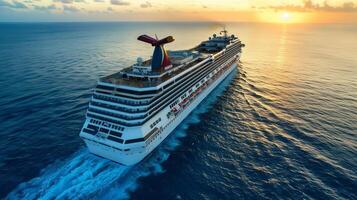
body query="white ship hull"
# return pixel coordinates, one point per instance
(137, 154)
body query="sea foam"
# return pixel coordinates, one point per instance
(86, 176)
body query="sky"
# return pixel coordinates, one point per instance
(271, 11)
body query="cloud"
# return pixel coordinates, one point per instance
(119, 2)
(69, 1)
(309, 5)
(45, 8)
(5, 4)
(14, 4)
(19, 5)
(146, 5)
(70, 9)
(64, 1)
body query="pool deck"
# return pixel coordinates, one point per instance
(118, 79)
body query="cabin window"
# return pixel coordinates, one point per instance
(104, 130)
(115, 133)
(104, 87)
(134, 140)
(115, 139)
(90, 126)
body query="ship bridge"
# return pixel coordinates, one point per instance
(217, 42)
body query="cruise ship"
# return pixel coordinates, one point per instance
(132, 111)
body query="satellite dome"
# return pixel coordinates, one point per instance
(139, 60)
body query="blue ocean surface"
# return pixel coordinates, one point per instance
(283, 127)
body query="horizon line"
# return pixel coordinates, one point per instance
(169, 21)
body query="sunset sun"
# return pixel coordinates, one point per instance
(285, 17)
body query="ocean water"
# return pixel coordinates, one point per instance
(283, 127)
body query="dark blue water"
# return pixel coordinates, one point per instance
(283, 127)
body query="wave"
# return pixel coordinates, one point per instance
(86, 176)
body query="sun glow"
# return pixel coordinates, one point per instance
(285, 17)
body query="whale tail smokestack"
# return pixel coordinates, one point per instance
(160, 58)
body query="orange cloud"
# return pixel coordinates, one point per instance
(309, 6)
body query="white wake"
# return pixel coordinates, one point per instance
(86, 176)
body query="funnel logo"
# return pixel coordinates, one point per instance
(160, 58)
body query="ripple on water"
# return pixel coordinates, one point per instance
(284, 129)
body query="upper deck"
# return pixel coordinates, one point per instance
(146, 80)
(141, 74)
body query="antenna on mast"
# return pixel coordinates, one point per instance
(224, 31)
